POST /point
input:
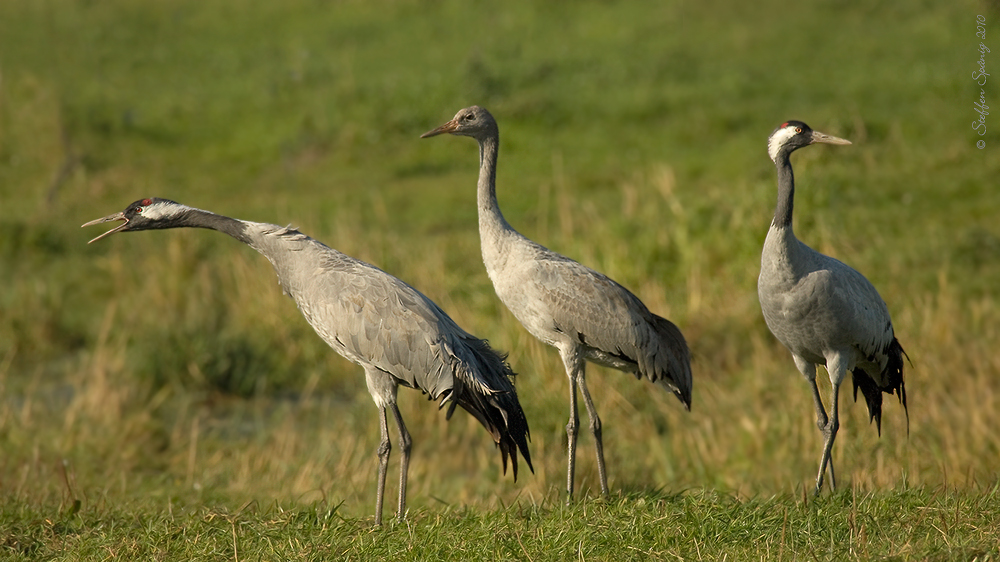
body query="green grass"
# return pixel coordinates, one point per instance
(164, 382)
(695, 525)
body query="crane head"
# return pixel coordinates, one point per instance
(793, 135)
(472, 121)
(140, 215)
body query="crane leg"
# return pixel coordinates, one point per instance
(572, 429)
(595, 429)
(405, 443)
(830, 431)
(574, 364)
(808, 370)
(383, 462)
(821, 419)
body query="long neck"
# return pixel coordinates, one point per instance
(285, 248)
(491, 221)
(786, 192)
(197, 218)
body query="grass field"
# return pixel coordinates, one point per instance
(161, 399)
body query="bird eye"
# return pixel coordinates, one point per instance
(137, 210)
(469, 117)
(798, 130)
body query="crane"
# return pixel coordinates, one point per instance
(582, 313)
(823, 311)
(395, 333)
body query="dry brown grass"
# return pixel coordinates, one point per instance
(111, 355)
(750, 431)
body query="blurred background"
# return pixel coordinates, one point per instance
(168, 367)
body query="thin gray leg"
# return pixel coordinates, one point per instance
(573, 363)
(405, 443)
(595, 429)
(830, 434)
(821, 419)
(383, 461)
(808, 370)
(572, 429)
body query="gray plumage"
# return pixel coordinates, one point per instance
(822, 310)
(582, 313)
(398, 335)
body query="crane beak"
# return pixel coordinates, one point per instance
(828, 139)
(115, 217)
(448, 127)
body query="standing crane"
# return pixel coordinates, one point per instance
(822, 310)
(394, 332)
(582, 313)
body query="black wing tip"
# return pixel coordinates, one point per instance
(522, 445)
(509, 446)
(484, 388)
(514, 437)
(669, 383)
(893, 374)
(501, 414)
(895, 371)
(677, 376)
(684, 395)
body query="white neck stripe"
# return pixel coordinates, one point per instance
(778, 139)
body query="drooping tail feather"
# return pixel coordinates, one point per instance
(483, 388)
(672, 366)
(893, 377)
